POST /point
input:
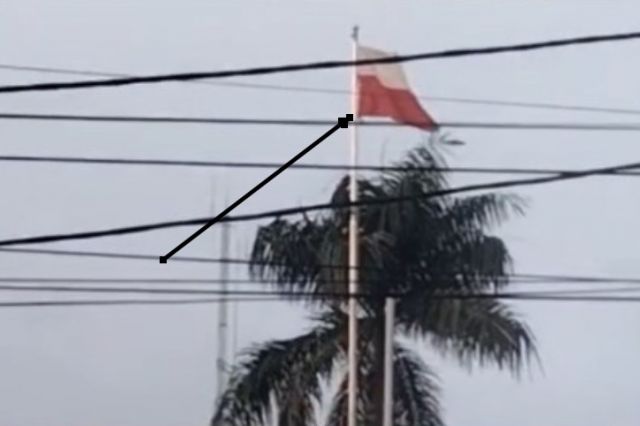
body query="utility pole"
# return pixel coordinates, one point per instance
(387, 413)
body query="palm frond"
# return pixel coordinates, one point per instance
(457, 264)
(415, 167)
(415, 394)
(482, 331)
(287, 371)
(415, 391)
(285, 253)
(476, 264)
(367, 190)
(482, 211)
(461, 253)
(338, 410)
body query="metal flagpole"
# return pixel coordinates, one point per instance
(352, 357)
(223, 312)
(387, 415)
(223, 321)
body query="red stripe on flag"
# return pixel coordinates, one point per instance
(401, 105)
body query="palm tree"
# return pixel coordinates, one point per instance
(414, 248)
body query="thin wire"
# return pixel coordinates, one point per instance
(302, 166)
(454, 53)
(153, 257)
(514, 279)
(513, 296)
(129, 302)
(586, 291)
(164, 291)
(135, 256)
(296, 294)
(129, 256)
(87, 303)
(534, 297)
(315, 207)
(623, 127)
(154, 281)
(534, 278)
(578, 279)
(289, 88)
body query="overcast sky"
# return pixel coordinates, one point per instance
(154, 366)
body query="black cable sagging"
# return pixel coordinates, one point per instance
(190, 76)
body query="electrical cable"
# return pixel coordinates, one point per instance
(128, 302)
(517, 297)
(129, 256)
(514, 279)
(621, 127)
(534, 278)
(304, 89)
(288, 293)
(302, 166)
(315, 207)
(453, 53)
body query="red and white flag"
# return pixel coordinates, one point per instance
(383, 91)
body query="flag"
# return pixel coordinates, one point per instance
(383, 91)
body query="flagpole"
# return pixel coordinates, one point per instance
(223, 316)
(352, 356)
(387, 411)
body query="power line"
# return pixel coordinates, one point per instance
(135, 256)
(63, 71)
(128, 256)
(586, 291)
(152, 302)
(301, 166)
(566, 296)
(454, 53)
(289, 293)
(515, 279)
(162, 291)
(128, 302)
(180, 291)
(305, 89)
(315, 207)
(560, 298)
(145, 302)
(534, 278)
(131, 119)
(577, 279)
(154, 281)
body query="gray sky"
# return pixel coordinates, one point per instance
(148, 366)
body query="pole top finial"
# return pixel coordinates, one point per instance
(354, 32)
